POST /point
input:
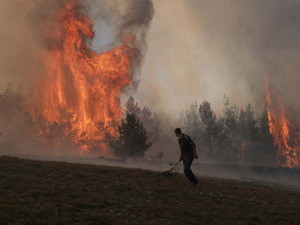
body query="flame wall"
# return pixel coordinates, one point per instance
(282, 129)
(74, 92)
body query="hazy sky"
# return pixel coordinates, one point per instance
(200, 49)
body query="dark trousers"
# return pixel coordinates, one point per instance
(187, 162)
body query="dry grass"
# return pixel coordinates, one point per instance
(34, 192)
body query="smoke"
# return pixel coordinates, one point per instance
(114, 20)
(204, 49)
(18, 55)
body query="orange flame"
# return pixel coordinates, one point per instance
(80, 86)
(280, 128)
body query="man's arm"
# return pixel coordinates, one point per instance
(192, 143)
(195, 153)
(181, 157)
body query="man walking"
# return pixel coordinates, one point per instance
(188, 153)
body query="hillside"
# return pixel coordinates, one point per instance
(35, 192)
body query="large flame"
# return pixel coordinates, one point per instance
(281, 128)
(78, 86)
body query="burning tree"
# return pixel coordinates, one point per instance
(133, 141)
(78, 80)
(283, 130)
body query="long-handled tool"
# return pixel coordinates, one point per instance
(171, 172)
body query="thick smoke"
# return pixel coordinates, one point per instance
(114, 20)
(204, 49)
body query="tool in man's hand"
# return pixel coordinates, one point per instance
(171, 172)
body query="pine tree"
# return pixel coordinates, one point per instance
(132, 107)
(193, 125)
(248, 132)
(232, 131)
(208, 118)
(265, 149)
(133, 141)
(146, 117)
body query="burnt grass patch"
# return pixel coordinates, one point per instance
(40, 192)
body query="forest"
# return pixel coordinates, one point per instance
(237, 136)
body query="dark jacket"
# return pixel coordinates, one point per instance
(186, 145)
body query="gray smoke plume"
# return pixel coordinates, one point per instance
(114, 20)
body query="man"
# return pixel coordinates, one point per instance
(188, 153)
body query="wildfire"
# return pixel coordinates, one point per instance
(281, 129)
(79, 89)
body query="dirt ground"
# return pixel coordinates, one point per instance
(35, 192)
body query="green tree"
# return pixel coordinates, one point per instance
(145, 116)
(208, 118)
(193, 125)
(265, 150)
(132, 141)
(232, 131)
(248, 132)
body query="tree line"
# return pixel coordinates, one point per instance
(236, 136)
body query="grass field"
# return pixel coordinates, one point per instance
(35, 192)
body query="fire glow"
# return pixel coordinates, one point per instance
(281, 129)
(79, 87)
